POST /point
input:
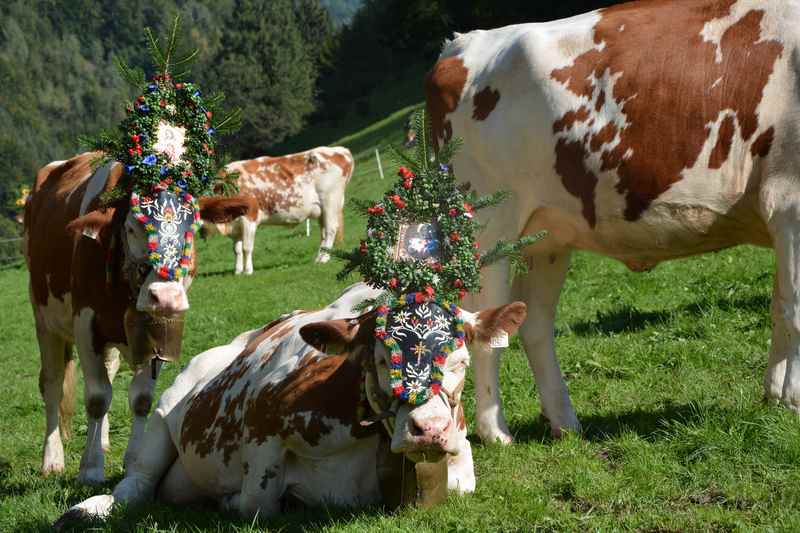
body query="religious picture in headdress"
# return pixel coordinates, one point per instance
(419, 242)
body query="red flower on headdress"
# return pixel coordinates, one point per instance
(405, 173)
(393, 283)
(363, 247)
(398, 202)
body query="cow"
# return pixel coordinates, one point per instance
(278, 413)
(90, 286)
(290, 189)
(645, 131)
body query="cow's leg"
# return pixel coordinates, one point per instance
(490, 422)
(332, 205)
(540, 290)
(460, 470)
(140, 399)
(238, 249)
(97, 398)
(779, 348)
(248, 243)
(786, 309)
(112, 366)
(177, 488)
(263, 484)
(140, 482)
(52, 349)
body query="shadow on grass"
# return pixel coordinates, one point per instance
(626, 318)
(646, 423)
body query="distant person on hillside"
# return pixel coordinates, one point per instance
(411, 135)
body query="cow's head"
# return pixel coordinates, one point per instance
(433, 426)
(154, 234)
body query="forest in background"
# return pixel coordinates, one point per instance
(289, 64)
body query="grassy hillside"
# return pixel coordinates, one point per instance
(664, 368)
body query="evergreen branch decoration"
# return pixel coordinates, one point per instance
(426, 197)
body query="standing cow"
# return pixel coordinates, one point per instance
(646, 131)
(290, 189)
(89, 275)
(278, 413)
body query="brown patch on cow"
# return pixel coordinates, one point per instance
(724, 140)
(222, 209)
(569, 118)
(484, 103)
(601, 100)
(66, 262)
(210, 425)
(443, 87)
(320, 390)
(763, 143)
(462, 421)
(667, 93)
(577, 179)
(507, 318)
(251, 166)
(606, 134)
(345, 164)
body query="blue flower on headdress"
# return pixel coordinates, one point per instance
(149, 160)
(164, 170)
(204, 179)
(144, 108)
(129, 169)
(211, 131)
(152, 87)
(196, 93)
(182, 184)
(443, 167)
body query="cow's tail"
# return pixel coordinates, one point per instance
(66, 408)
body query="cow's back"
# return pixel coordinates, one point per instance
(643, 131)
(288, 188)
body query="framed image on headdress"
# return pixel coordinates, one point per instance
(420, 242)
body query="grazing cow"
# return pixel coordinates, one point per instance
(91, 285)
(290, 189)
(277, 413)
(646, 131)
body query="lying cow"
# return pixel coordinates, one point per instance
(290, 189)
(91, 286)
(646, 131)
(277, 412)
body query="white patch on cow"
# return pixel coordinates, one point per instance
(95, 186)
(773, 25)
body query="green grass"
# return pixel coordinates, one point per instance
(664, 369)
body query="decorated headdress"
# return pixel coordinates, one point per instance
(420, 249)
(166, 143)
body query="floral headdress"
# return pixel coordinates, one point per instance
(166, 143)
(421, 249)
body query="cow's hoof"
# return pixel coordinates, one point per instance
(495, 435)
(91, 477)
(324, 258)
(71, 518)
(54, 467)
(792, 403)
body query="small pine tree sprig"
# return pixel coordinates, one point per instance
(489, 200)
(511, 250)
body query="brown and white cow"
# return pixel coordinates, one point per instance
(290, 189)
(81, 297)
(276, 413)
(646, 131)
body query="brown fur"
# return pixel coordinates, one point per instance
(221, 209)
(484, 103)
(66, 408)
(674, 81)
(443, 87)
(491, 321)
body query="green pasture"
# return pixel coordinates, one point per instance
(664, 368)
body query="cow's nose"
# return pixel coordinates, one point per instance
(429, 431)
(167, 298)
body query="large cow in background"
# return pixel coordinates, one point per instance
(278, 413)
(646, 131)
(90, 285)
(290, 189)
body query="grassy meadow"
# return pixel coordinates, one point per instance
(664, 369)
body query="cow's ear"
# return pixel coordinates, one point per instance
(222, 209)
(331, 336)
(92, 224)
(493, 326)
